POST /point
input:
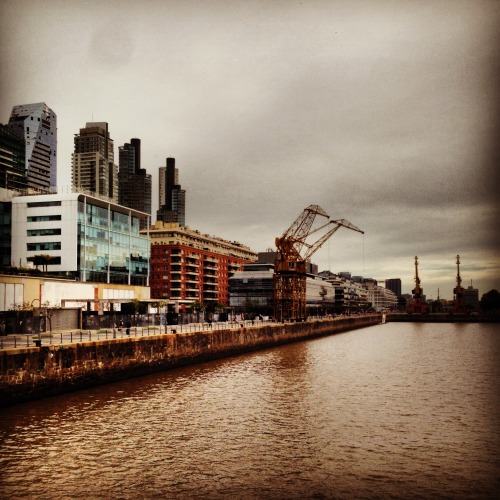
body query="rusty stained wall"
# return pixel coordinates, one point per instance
(34, 372)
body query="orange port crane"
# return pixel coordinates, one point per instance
(293, 253)
(417, 305)
(458, 292)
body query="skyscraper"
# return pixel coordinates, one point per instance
(134, 184)
(394, 284)
(172, 199)
(93, 168)
(12, 160)
(37, 125)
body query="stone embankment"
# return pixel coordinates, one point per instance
(34, 372)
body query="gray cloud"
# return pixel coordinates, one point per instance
(383, 113)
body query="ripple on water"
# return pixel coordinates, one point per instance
(394, 410)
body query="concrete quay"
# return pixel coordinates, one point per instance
(30, 372)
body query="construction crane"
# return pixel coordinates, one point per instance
(293, 253)
(417, 306)
(458, 292)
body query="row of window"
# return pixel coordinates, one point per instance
(43, 218)
(44, 232)
(44, 204)
(37, 247)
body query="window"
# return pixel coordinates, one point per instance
(44, 204)
(43, 232)
(37, 247)
(43, 218)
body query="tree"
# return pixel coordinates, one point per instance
(43, 260)
(49, 312)
(490, 301)
(158, 305)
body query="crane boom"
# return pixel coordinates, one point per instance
(300, 229)
(337, 224)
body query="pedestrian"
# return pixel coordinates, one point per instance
(120, 326)
(129, 325)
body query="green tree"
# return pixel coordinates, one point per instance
(49, 311)
(490, 301)
(43, 260)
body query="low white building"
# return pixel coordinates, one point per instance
(381, 298)
(86, 237)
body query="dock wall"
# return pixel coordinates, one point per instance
(35, 372)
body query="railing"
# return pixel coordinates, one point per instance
(79, 336)
(71, 337)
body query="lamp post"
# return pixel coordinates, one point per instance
(39, 341)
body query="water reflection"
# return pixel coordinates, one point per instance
(403, 410)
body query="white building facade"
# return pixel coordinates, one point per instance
(381, 298)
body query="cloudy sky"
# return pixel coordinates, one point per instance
(381, 112)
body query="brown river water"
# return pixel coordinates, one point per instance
(391, 411)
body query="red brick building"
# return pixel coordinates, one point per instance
(188, 266)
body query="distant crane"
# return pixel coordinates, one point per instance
(417, 306)
(289, 281)
(458, 292)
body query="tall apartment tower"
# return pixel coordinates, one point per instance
(134, 184)
(37, 125)
(93, 167)
(12, 160)
(394, 285)
(172, 199)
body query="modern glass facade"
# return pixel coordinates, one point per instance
(110, 248)
(37, 125)
(12, 159)
(6, 232)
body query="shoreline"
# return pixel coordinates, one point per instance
(30, 373)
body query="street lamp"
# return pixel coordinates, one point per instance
(39, 341)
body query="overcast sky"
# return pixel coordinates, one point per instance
(381, 112)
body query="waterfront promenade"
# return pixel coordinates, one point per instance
(79, 336)
(63, 363)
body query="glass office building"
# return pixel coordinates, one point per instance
(91, 239)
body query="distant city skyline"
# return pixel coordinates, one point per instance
(383, 113)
